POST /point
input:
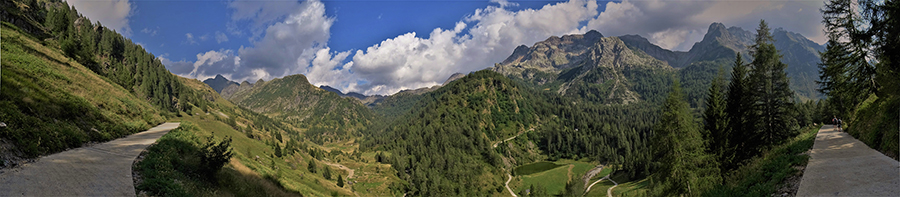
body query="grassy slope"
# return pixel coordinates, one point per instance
(876, 124)
(51, 103)
(551, 175)
(290, 171)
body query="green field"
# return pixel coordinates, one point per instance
(552, 176)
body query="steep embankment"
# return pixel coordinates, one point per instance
(50, 102)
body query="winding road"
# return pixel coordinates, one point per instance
(99, 170)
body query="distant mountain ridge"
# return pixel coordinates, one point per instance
(324, 115)
(546, 61)
(219, 83)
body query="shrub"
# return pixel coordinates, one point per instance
(214, 155)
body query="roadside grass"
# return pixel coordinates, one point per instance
(171, 168)
(875, 124)
(763, 175)
(51, 103)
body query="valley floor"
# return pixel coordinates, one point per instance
(841, 165)
(98, 170)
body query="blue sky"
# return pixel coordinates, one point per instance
(384, 46)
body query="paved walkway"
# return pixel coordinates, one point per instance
(100, 170)
(840, 165)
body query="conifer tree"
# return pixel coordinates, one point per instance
(717, 132)
(682, 165)
(771, 112)
(340, 181)
(737, 108)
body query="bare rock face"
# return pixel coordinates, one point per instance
(550, 55)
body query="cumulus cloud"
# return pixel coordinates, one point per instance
(113, 14)
(492, 37)
(295, 44)
(288, 46)
(293, 37)
(677, 25)
(505, 3)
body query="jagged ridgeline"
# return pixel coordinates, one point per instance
(324, 115)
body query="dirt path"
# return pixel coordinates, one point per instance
(840, 165)
(609, 191)
(590, 174)
(99, 170)
(595, 182)
(507, 186)
(342, 167)
(510, 138)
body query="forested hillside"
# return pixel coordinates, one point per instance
(324, 115)
(54, 101)
(67, 82)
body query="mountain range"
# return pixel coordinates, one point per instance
(550, 63)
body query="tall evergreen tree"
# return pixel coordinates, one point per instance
(682, 165)
(737, 109)
(715, 119)
(771, 111)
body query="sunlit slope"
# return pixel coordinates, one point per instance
(51, 103)
(324, 115)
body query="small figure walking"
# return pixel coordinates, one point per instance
(839, 125)
(834, 122)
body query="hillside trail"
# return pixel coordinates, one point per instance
(609, 191)
(99, 170)
(342, 167)
(840, 165)
(590, 174)
(507, 186)
(511, 138)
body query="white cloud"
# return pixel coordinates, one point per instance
(151, 32)
(221, 37)
(495, 33)
(292, 38)
(504, 3)
(190, 38)
(678, 24)
(204, 37)
(287, 47)
(113, 14)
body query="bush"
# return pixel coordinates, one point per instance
(214, 155)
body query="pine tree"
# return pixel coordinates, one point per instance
(683, 166)
(311, 167)
(340, 181)
(327, 173)
(771, 112)
(737, 109)
(716, 122)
